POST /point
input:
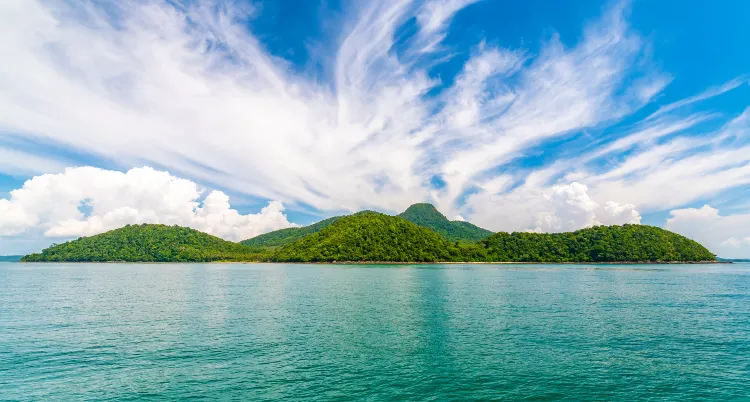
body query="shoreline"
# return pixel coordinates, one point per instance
(388, 262)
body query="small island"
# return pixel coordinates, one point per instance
(419, 235)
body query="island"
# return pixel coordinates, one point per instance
(420, 234)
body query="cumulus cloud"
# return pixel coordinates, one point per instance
(616, 214)
(560, 208)
(14, 219)
(569, 207)
(726, 235)
(85, 201)
(735, 242)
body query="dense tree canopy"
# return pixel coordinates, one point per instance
(371, 236)
(378, 237)
(627, 243)
(148, 243)
(286, 236)
(426, 215)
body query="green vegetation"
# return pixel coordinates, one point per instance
(147, 243)
(423, 214)
(283, 237)
(371, 236)
(420, 234)
(378, 237)
(627, 243)
(426, 215)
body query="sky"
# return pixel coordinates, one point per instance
(242, 117)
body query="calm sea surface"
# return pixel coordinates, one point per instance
(462, 332)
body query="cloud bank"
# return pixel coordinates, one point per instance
(561, 208)
(728, 236)
(86, 201)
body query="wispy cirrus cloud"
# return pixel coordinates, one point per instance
(707, 94)
(189, 88)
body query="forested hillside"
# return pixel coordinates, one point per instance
(286, 236)
(147, 243)
(426, 215)
(378, 237)
(371, 236)
(627, 243)
(423, 214)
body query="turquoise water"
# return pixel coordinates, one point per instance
(321, 332)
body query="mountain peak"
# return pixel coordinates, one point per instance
(424, 214)
(422, 211)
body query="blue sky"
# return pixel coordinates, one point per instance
(534, 115)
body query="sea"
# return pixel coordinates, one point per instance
(254, 332)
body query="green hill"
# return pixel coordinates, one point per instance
(627, 243)
(286, 236)
(377, 237)
(147, 243)
(428, 216)
(424, 215)
(370, 236)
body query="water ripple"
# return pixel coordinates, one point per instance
(317, 332)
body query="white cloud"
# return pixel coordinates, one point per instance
(616, 214)
(707, 94)
(734, 242)
(666, 176)
(57, 204)
(20, 163)
(434, 15)
(571, 208)
(728, 236)
(189, 88)
(14, 219)
(656, 167)
(558, 209)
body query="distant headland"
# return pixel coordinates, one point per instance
(420, 234)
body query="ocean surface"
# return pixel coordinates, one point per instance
(73, 332)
